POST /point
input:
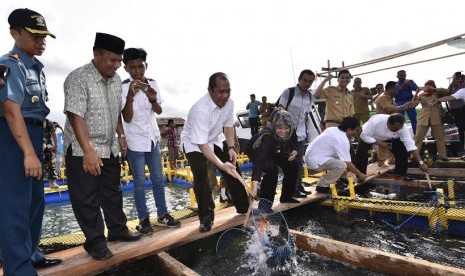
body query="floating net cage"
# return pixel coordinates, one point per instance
(439, 209)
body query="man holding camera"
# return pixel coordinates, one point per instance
(141, 101)
(404, 94)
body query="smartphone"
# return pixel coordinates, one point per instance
(143, 86)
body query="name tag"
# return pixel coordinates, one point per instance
(31, 81)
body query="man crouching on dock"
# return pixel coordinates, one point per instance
(388, 132)
(331, 151)
(201, 141)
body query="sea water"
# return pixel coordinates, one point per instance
(59, 218)
(201, 256)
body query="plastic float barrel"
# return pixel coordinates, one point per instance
(192, 196)
(438, 218)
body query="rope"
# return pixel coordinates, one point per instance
(404, 53)
(411, 63)
(433, 201)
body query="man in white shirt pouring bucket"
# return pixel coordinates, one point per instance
(388, 132)
(201, 141)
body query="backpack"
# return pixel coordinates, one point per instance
(291, 96)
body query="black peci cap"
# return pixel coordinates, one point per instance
(109, 42)
(31, 21)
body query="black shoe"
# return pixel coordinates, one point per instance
(408, 178)
(205, 227)
(241, 212)
(322, 190)
(340, 185)
(126, 237)
(303, 191)
(144, 227)
(291, 200)
(298, 194)
(168, 220)
(47, 262)
(102, 254)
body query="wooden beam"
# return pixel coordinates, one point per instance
(77, 262)
(445, 172)
(169, 266)
(370, 259)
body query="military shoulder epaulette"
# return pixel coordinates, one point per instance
(149, 79)
(126, 81)
(14, 56)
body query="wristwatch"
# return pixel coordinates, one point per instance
(232, 147)
(421, 162)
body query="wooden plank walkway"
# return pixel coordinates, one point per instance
(77, 262)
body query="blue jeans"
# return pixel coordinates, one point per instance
(412, 115)
(137, 161)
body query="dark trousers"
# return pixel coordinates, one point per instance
(254, 123)
(459, 116)
(270, 180)
(299, 159)
(89, 193)
(398, 149)
(22, 203)
(203, 192)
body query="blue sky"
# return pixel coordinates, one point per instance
(251, 41)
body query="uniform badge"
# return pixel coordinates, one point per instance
(35, 99)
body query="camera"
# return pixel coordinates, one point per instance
(143, 86)
(4, 70)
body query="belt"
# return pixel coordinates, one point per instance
(332, 121)
(33, 122)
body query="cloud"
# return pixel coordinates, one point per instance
(386, 50)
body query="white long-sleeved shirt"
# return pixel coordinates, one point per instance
(376, 129)
(205, 123)
(143, 128)
(332, 143)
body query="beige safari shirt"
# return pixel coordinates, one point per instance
(98, 102)
(383, 102)
(430, 115)
(339, 103)
(361, 104)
